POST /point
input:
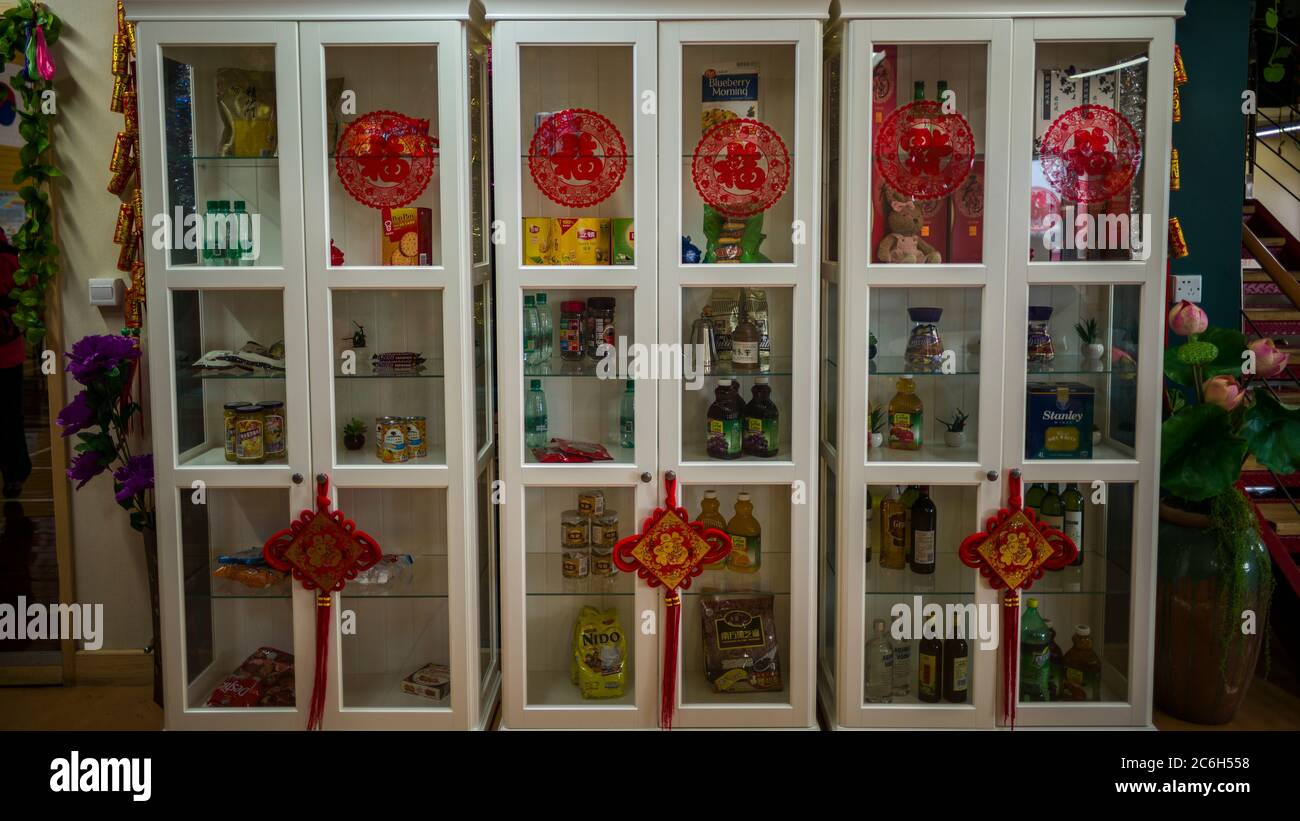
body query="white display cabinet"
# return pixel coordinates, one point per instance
(327, 311)
(567, 78)
(920, 240)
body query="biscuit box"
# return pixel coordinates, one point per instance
(1058, 421)
(407, 236)
(431, 681)
(624, 251)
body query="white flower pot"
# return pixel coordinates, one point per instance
(1094, 351)
(877, 439)
(954, 438)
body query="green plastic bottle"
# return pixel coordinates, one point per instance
(1035, 655)
(1034, 497)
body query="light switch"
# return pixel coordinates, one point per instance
(106, 291)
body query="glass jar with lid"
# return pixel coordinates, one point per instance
(924, 346)
(598, 325)
(1040, 348)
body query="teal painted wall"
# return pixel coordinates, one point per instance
(1211, 143)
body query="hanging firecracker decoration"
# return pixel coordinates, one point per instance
(923, 152)
(577, 157)
(1180, 69)
(741, 167)
(1090, 153)
(123, 167)
(1011, 552)
(385, 159)
(669, 552)
(1175, 171)
(1178, 105)
(323, 550)
(1177, 242)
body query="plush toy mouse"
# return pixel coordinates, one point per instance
(903, 243)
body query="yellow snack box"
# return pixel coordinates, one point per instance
(592, 241)
(564, 241)
(537, 240)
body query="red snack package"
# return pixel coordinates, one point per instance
(550, 454)
(585, 451)
(236, 691)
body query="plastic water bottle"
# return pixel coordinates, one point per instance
(532, 331)
(544, 329)
(535, 434)
(627, 417)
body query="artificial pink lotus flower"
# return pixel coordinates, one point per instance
(1187, 318)
(1269, 361)
(1224, 392)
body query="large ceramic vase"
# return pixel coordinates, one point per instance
(1192, 680)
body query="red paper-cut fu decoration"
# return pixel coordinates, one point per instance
(385, 159)
(1012, 552)
(670, 551)
(323, 550)
(741, 167)
(923, 152)
(577, 157)
(1090, 153)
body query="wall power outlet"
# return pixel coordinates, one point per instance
(1188, 287)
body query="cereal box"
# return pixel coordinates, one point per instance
(728, 91)
(537, 241)
(624, 241)
(407, 236)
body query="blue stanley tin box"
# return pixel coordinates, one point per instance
(1058, 421)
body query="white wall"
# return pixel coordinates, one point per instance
(1279, 203)
(108, 553)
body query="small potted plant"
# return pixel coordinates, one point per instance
(1093, 349)
(955, 435)
(354, 434)
(877, 426)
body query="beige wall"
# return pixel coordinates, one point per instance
(109, 557)
(1279, 203)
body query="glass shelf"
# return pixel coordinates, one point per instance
(366, 457)
(426, 579)
(1074, 365)
(219, 588)
(930, 452)
(233, 159)
(950, 578)
(965, 365)
(384, 691)
(773, 577)
(430, 375)
(236, 377)
(545, 577)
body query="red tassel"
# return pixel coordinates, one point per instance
(317, 710)
(673, 613)
(1010, 656)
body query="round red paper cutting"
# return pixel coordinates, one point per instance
(1090, 153)
(741, 167)
(577, 157)
(385, 159)
(923, 152)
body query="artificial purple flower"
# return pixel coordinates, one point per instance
(77, 416)
(93, 356)
(136, 476)
(86, 466)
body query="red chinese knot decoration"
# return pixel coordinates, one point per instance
(670, 551)
(385, 159)
(577, 157)
(923, 152)
(323, 550)
(741, 167)
(1011, 552)
(1090, 153)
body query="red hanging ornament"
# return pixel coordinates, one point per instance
(741, 167)
(670, 551)
(323, 550)
(1011, 552)
(385, 159)
(577, 157)
(923, 152)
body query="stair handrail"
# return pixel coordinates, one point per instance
(1275, 270)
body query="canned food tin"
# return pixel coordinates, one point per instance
(416, 443)
(591, 503)
(228, 413)
(575, 529)
(250, 429)
(390, 440)
(273, 433)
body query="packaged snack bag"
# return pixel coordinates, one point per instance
(728, 91)
(624, 241)
(564, 241)
(741, 653)
(407, 236)
(599, 665)
(537, 241)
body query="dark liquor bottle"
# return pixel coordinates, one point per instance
(918, 90)
(1072, 501)
(1034, 497)
(909, 498)
(956, 664)
(929, 664)
(924, 528)
(1053, 511)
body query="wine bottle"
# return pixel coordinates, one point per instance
(1072, 501)
(956, 664)
(924, 532)
(929, 664)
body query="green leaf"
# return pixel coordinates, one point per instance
(1274, 73)
(1230, 344)
(1273, 433)
(1282, 53)
(1200, 456)
(1270, 19)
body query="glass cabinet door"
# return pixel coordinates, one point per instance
(575, 192)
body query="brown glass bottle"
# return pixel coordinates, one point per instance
(956, 664)
(923, 532)
(929, 665)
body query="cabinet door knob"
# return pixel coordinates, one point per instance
(993, 475)
(671, 476)
(297, 478)
(647, 476)
(1015, 473)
